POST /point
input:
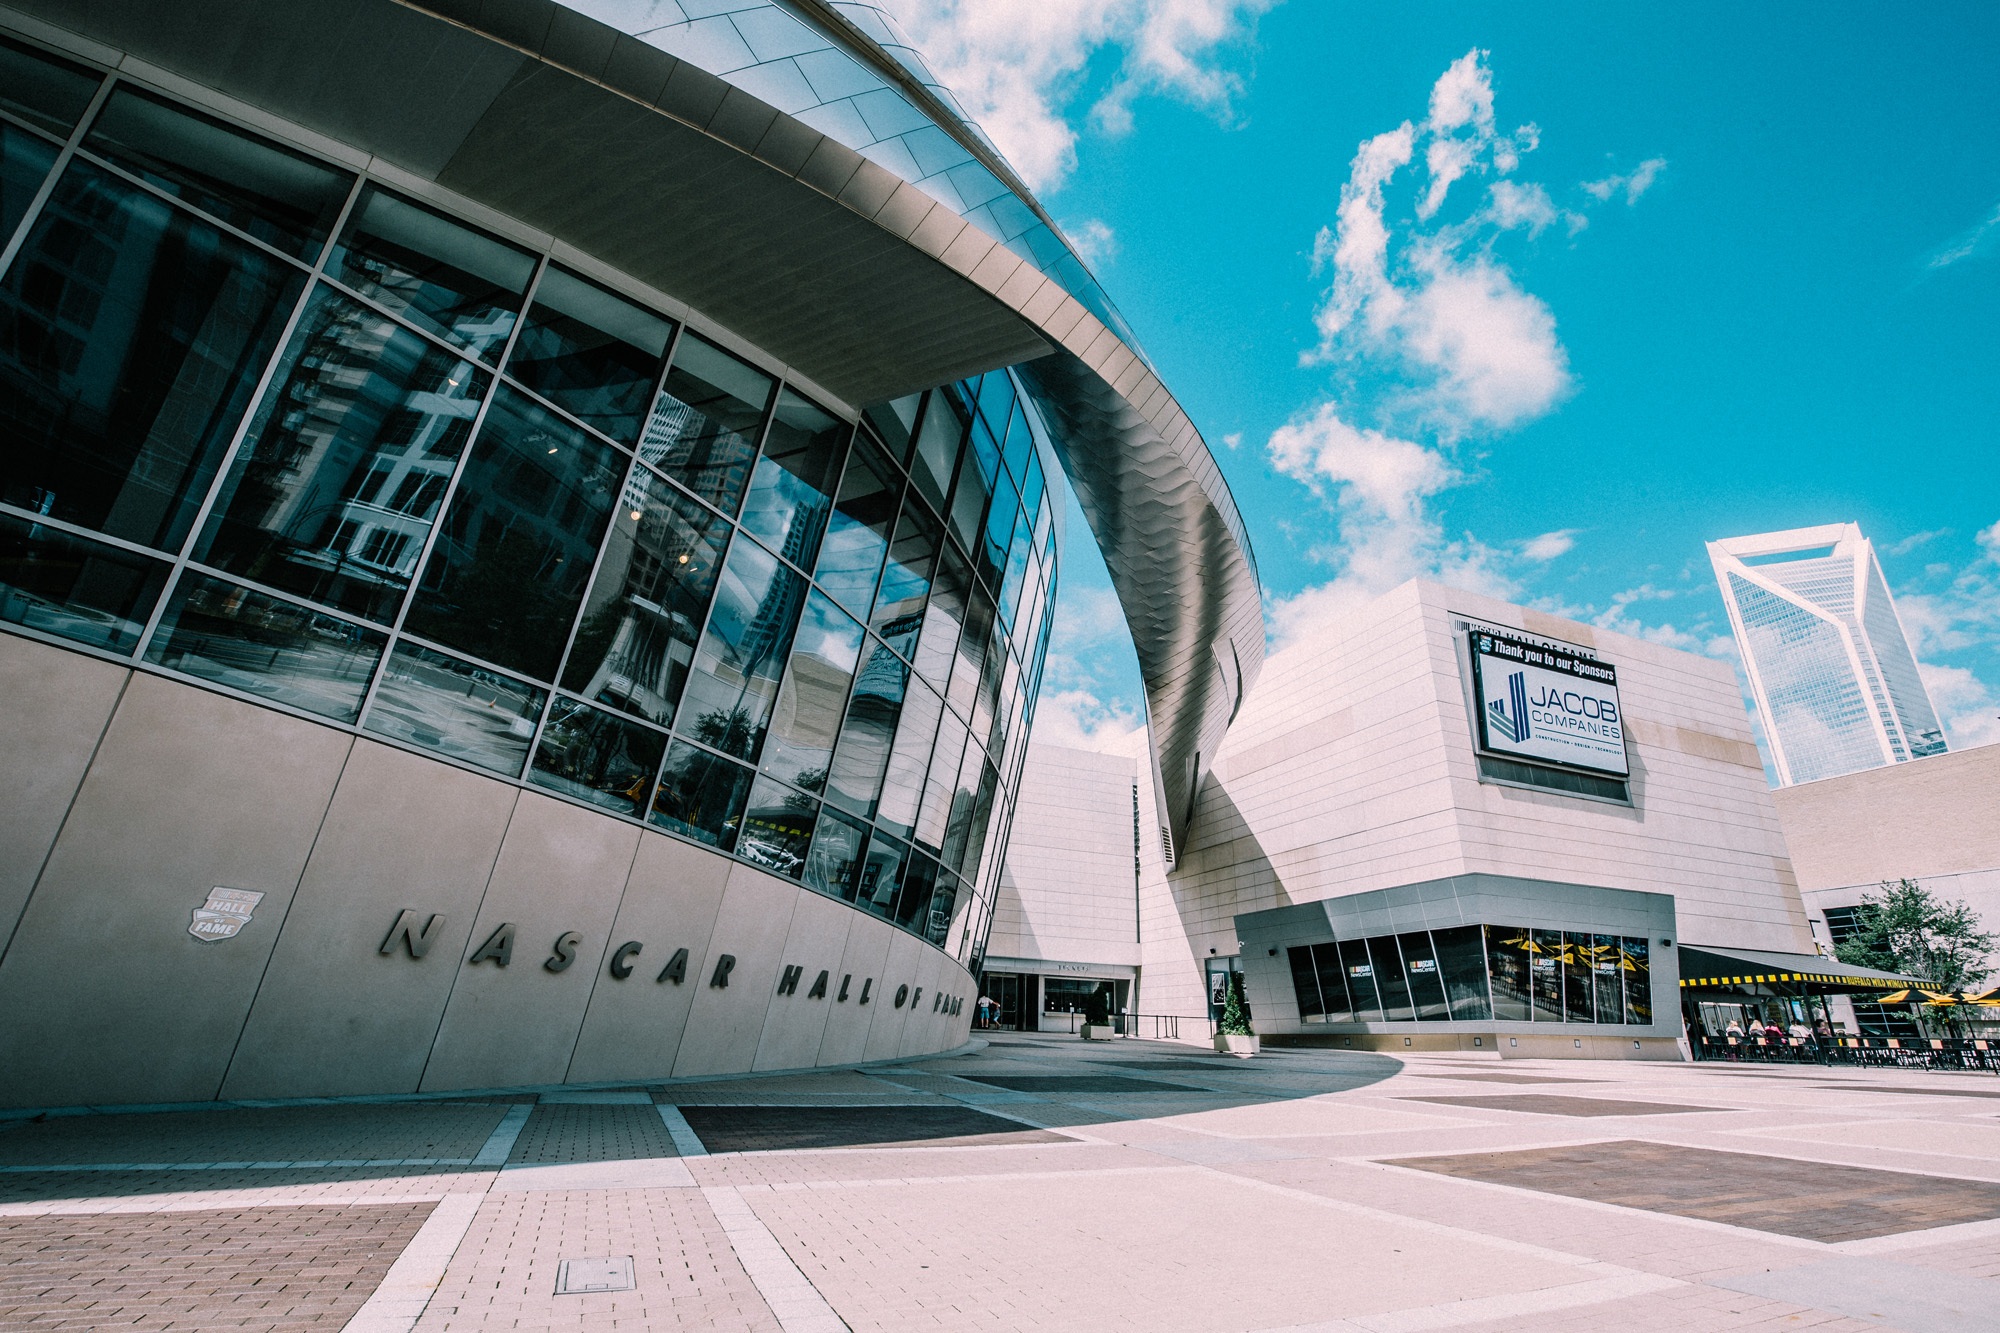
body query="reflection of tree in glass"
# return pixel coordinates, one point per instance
(730, 732)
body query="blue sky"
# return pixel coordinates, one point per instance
(1537, 298)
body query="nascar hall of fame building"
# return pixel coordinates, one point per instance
(527, 543)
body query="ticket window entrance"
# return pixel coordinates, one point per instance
(1007, 992)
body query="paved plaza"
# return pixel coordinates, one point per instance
(1036, 1183)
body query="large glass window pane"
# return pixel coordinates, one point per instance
(636, 640)
(1305, 982)
(938, 440)
(1463, 962)
(972, 649)
(777, 829)
(261, 645)
(597, 757)
(792, 488)
(346, 461)
(1608, 978)
(1579, 980)
(855, 781)
(1018, 448)
(906, 579)
(903, 787)
(705, 424)
(455, 708)
(806, 723)
(934, 814)
(1509, 966)
(1360, 971)
(858, 533)
(701, 796)
(1636, 967)
(591, 353)
(985, 815)
(283, 198)
(1420, 966)
(996, 400)
(1332, 983)
(948, 898)
(516, 546)
(833, 867)
(1020, 544)
(734, 684)
(881, 874)
(460, 284)
(1390, 979)
(43, 89)
(964, 797)
(24, 165)
(968, 501)
(999, 533)
(911, 908)
(1546, 946)
(76, 589)
(894, 422)
(131, 339)
(944, 619)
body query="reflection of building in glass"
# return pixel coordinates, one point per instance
(1830, 668)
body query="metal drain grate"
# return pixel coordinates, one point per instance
(574, 1277)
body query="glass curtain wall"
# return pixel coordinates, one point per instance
(282, 431)
(1475, 974)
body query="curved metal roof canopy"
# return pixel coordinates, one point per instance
(863, 281)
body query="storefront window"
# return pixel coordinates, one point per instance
(1635, 967)
(1579, 957)
(1510, 968)
(1426, 979)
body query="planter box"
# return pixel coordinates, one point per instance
(1241, 1047)
(1097, 1032)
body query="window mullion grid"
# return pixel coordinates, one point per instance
(202, 513)
(65, 151)
(444, 509)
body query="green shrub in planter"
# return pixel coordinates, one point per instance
(1097, 1009)
(1235, 1011)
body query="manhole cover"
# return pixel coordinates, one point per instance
(577, 1276)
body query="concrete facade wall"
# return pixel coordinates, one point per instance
(136, 795)
(1352, 768)
(1071, 855)
(1935, 820)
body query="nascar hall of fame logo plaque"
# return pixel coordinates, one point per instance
(225, 913)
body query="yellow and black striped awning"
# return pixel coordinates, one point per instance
(1709, 968)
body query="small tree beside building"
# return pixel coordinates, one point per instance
(1906, 928)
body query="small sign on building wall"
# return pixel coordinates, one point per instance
(225, 913)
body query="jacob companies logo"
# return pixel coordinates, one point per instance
(1514, 727)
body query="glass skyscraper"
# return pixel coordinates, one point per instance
(1835, 682)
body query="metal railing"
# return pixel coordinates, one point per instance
(1932, 1053)
(1147, 1027)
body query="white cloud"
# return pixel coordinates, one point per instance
(1969, 710)
(1377, 485)
(1234, 440)
(1549, 545)
(1477, 352)
(1914, 540)
(1018, 65)
(1080, 720)
(1431, 340)
(1631, 184)
(1092, 239)
(1969, 244)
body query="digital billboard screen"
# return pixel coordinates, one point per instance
(1547, 704)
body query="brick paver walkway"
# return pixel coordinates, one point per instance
(1039, 1183)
